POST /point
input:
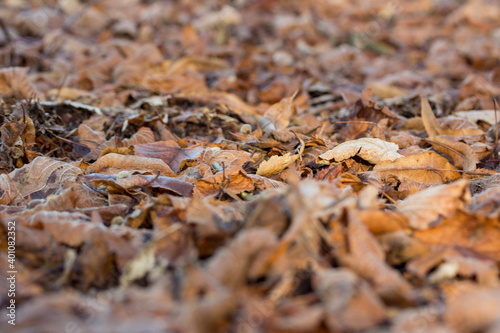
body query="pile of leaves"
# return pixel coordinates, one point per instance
(251, 166)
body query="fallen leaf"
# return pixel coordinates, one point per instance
(425, 208)
(431, 124)
(276, 164)
(427, 167)
(462, 154)
(38, 179)
(114, 163)
(169, 152)
(472, 231)
(372, 150)
(351, 305)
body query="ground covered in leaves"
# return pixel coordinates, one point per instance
(250, 166)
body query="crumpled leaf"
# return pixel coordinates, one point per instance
(424, 209)
(276, 164)
(427, 167)
(371, 150)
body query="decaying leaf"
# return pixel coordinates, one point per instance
(372, 150)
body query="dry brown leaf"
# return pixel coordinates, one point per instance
(372, 150)
(90, 138)
(431, 124)
(425, 208)
(112, 163)
(226, 158)
(169, 152)
(278, 116)
(475, 310)
(462, 154)
(472, 231)
(195, 64)
(276, 164)
(385, 90)
(433, 128)
(351, 304)
(235, 182)
(427, 167)
(40, 178)
(14, 82)
(364, 255)
(225, 100)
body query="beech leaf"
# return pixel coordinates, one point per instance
(370, 149)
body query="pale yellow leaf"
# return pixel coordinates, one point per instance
(276, 164)
(370, 149)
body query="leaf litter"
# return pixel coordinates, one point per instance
(253, 166)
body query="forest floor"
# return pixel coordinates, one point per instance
(249, 166)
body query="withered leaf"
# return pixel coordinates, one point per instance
(427, 167)
(433, 128)
(42, 177)
(426, 207)
(462, 154)
(114, 163)
(168, 184)
(431, 124)
(235, 182)
(169, 152)
(276, 164)
(372, 150)
(473, 231)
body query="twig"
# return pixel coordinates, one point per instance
(495, 105)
